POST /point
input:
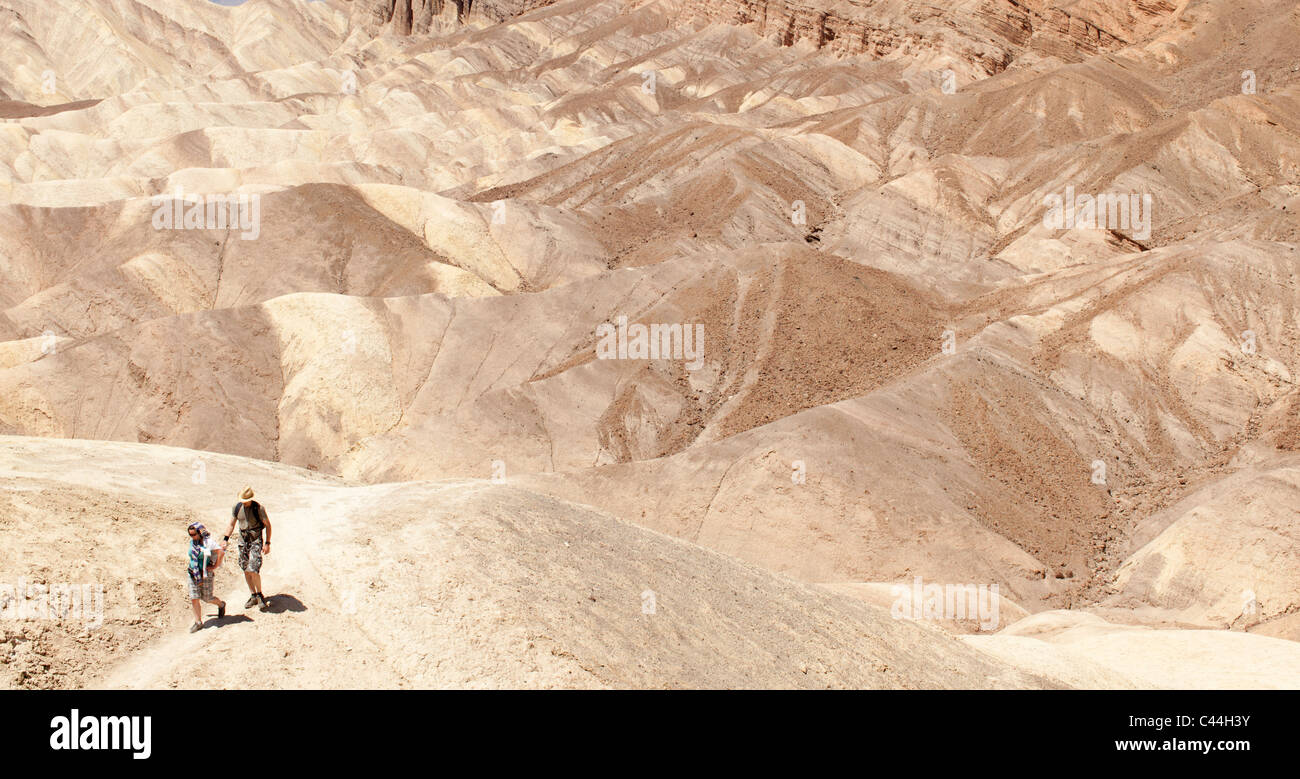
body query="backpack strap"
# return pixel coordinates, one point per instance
(254, 511)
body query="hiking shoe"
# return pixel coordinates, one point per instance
(221, 610)
(262, 605)
(251, 602)
(196, 627)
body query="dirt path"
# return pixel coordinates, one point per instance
(306, 639)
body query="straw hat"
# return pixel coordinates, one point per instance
(247, 494)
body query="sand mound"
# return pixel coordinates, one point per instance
(447, 584)
(1088, 651)
(912, 363)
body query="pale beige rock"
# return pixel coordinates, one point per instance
(908, 368)
(425, 584)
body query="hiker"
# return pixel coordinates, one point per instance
(205, 557)
(252, 520)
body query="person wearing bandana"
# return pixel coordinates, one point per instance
(204, 559)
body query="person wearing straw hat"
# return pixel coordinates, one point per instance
(254, 543)
(204, 559)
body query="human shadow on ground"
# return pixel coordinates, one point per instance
(221, 622)
(278, 604)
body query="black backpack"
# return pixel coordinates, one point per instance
(254, 511)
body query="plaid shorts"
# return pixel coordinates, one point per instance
(250, 551)
(202, 589)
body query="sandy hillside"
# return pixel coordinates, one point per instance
(422, 584)
(469, 583)
(905, 366)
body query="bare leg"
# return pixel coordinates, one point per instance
(198, 611)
